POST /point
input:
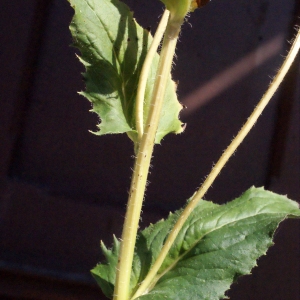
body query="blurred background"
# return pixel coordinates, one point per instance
(62, 189)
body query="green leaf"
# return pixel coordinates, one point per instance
(113, 48)
(105, 274)
(217, 244)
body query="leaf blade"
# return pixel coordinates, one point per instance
(105, 274)
(113, 48)
(217, 244)
(211, 260)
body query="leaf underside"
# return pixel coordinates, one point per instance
(113, 48)
(217, 244)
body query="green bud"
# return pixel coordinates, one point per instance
(180, 8)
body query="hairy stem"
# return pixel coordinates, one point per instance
(142, 163)
(152, 276)
(145, 72)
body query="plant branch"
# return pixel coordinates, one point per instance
(152, 276)
(145, 72)
(142, 163)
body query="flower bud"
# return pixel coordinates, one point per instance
(180, 8)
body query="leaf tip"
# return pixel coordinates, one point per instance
(103, 247)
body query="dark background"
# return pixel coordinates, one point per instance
(63, 189)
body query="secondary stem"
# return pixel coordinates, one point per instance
(140, 95)
(142, 163)
(152, 276)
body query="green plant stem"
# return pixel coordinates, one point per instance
(145, 73)
(142, 163)
(152, 276)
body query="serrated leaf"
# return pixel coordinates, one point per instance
(113, 48)
(105, 274)
(217, 244)
(152, 237)
(215, 247)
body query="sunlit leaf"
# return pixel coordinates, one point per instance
(217, 244)
(113, 48)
